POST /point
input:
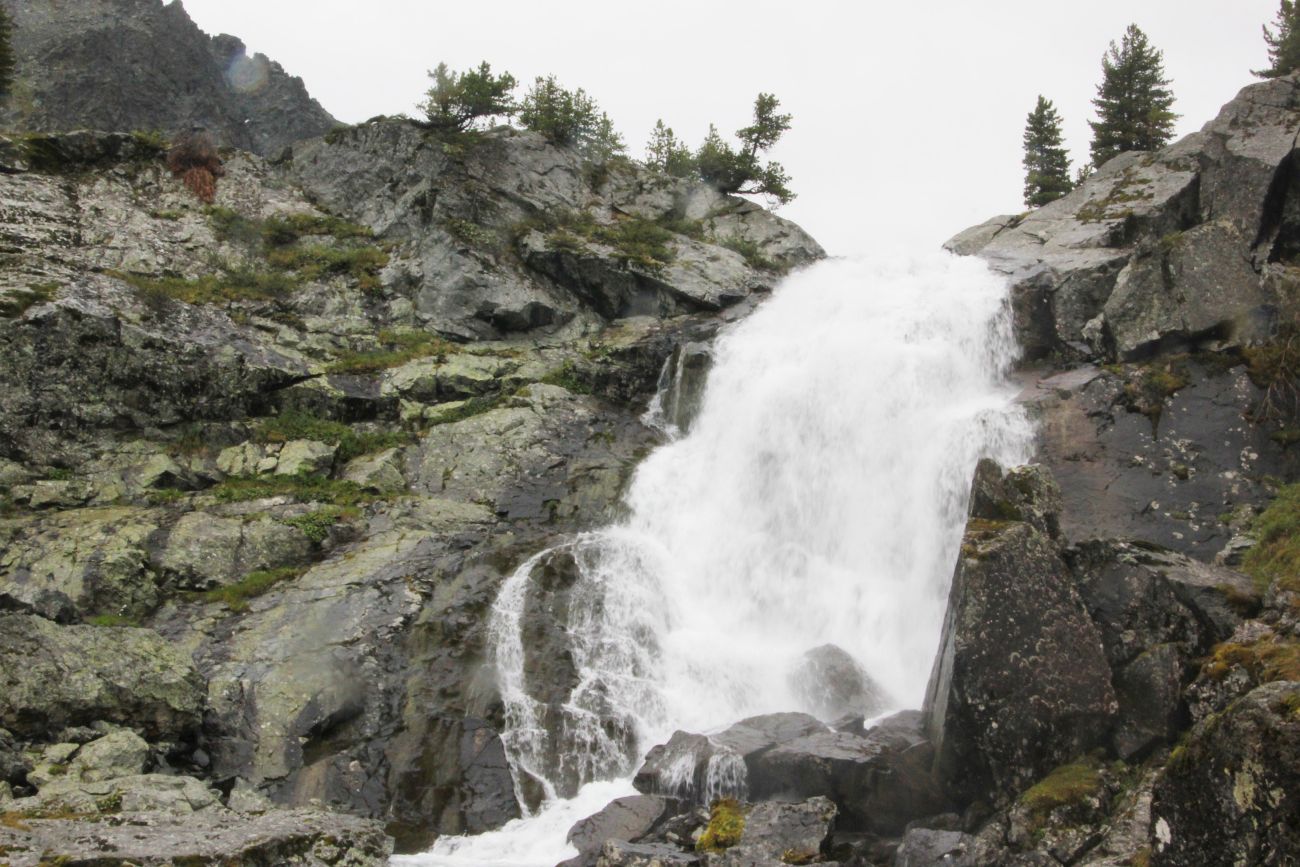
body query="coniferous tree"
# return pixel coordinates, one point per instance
(1047, 164)
(739, 171)
(666, 153)
(569, 117)
(6, 55)
(457, 100)
(1283, 43)
(1134, 102)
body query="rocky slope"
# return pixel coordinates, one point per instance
(266, 462)
(142, 65)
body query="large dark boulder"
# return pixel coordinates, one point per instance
(622, 820)
(1020, 684)
(1231, 794)
(703, 767)
(880, 779)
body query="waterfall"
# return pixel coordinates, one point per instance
(817, 498)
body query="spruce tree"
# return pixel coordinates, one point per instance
(1283, 43)
(456, 101)
(6, 55)
(1047, 164)
(1133, 101)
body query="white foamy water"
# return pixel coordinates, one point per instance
(819, 497)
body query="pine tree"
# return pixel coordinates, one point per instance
(1284, 43)
(6, 55)
(666, 153)
(1047, 164)
(732, 171)
(1133, 101)
(457, 100)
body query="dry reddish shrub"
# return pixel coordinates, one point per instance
(194, 159)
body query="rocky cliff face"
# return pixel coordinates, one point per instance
(1141, 710)
(142, 65)
(294, 442)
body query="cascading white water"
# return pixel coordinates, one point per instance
(819, 497)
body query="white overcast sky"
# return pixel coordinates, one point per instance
(907, 115)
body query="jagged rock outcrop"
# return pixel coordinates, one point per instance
(55, 676)
(278, 436)
(1177, 248)
(124, 65)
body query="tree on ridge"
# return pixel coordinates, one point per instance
(1047, 164)
(1283, 43)
(1134, 103)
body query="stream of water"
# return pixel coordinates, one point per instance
(818, 497)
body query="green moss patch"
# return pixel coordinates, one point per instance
(16, 302)
(231, 284)
(236, 596)
(725, 828)
(1276, 555)
(303, 488)
(752, 253)
(1267, 660)
(396, 348)
(298, 425)
(1066, 786)
(317, 261)
(316, 525)
(567, 376)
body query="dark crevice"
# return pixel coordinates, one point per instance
(1279, 227)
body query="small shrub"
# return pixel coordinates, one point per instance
(194, 159)
(316, 525)
(752, 253)
(726, 826)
